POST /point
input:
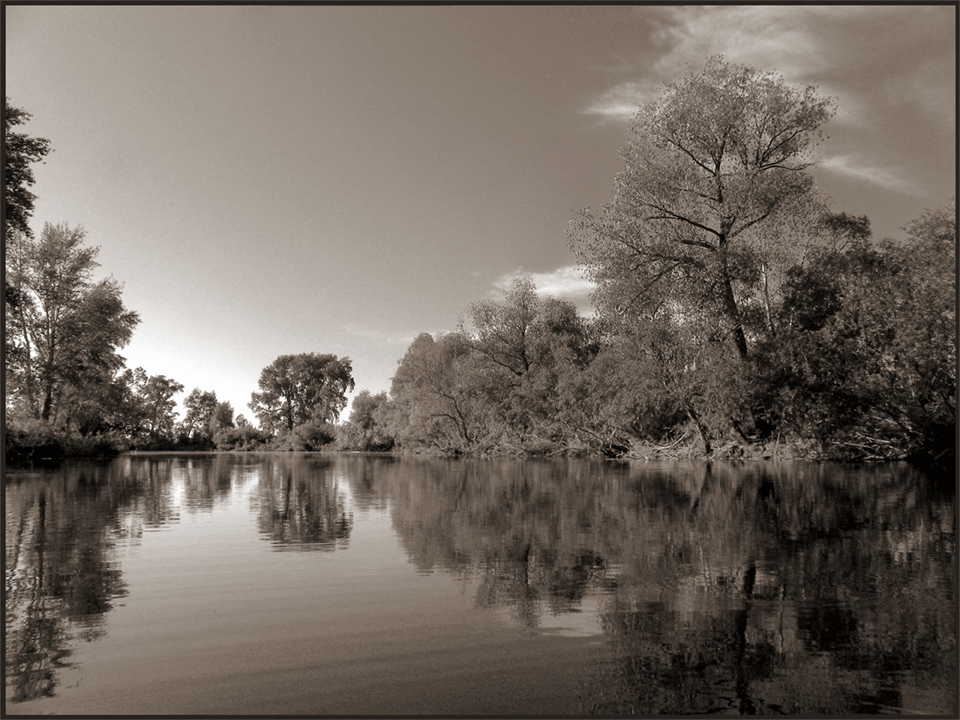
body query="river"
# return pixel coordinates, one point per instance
(324, 584)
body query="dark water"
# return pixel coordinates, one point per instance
(335, 585)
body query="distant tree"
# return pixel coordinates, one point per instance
(296, 389)
(721, 151)
(156, 398)
(366, 429)
(222, 418)
(201, 408)
(20, 151)
(66, 327)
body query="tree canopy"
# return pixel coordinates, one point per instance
(65, 328)
(721, 151)
(20, 151)
(296, 389)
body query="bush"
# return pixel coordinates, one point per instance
(34, 441)
(243, 438)
(310, 436)
(30, 441)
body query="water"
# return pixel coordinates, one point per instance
(347, 584)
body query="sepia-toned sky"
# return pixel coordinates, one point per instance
(274, 180)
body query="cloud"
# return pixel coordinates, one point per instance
(798, 42)
(768, 37)
(621, 102)
(849, 166)
(566, 283)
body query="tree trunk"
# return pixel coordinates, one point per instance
(729, 300)
(733, 312)
(766, 300)
(704, 434)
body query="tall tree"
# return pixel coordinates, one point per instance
(519, 347)
(155, 394)
(201, 408)
(431, 404)
(67, 328)
(721, 151)
(19, 152)
(296, 389)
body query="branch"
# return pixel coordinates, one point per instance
(750, 223)
(690, 155)
(670, 215)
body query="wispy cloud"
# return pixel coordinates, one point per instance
(746, 34)
(790, 40)
(620, 103)
(566, 283)
(850, 166)
(770, 37)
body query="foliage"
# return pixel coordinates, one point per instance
(366, 429)
(296, 389)
(156, 404)
(19, 152)
(867, 360)
(520, 346)
(65, 327)
(241, 437)
(199, 426)
(307, 437)
(494, 385)
(721, 151)
(432, 407)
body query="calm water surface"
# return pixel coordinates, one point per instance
(347, 584)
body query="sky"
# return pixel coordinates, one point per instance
(270, 180)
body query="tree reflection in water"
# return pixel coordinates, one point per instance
(60, 576)
(520, 531)
(813, 590)
(724, 588)
(300, 504)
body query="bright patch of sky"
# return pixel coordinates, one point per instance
(281, 179)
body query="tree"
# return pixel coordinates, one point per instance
(366, 428)
(222, 417)
(200, 410)
(295, 389)
(431, 406)
(20, 151)
(65, 327)
(720, 152)
(519, 346)
(866, 362)
(504, 332)
(156, 397)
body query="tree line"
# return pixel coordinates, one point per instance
(67, 388)
(735, 314)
